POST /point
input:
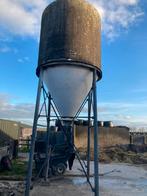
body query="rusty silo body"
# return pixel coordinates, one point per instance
(69, 51)
(70, 30)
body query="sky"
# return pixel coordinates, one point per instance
(122, 92)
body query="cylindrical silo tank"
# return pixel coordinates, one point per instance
(69, 52)
(100, 123)
(108, 124)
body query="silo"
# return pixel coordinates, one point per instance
(69, 65)
(108, 124)
(69, 51)
(100, 123)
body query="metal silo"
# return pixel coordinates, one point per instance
(69, 65)
(69, 51)
(108, 124)
(100, 123)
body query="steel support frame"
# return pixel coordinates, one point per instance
(92, 104)
(48, 148)
(89, 136)
(96, 153)
(34, 131)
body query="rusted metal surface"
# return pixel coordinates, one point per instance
(70, 30)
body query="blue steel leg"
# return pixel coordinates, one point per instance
(88, 136)
(47, 139)
(34, 130)
(96, 170)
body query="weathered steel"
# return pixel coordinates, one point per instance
(89, 135)
(48, 149)
(96, 150)
(70, 31)
(34, 130)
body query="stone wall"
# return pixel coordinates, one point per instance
(108, 136)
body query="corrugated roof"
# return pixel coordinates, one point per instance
(12, 128)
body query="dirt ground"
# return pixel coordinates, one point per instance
(116, 177)
(62, 187)
(115, 180)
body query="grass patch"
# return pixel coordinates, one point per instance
(19, 168)
(24, 149)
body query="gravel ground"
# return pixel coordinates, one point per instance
(115, 180)
(11, 188)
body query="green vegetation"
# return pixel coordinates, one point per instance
(24, 149)
(19, 169)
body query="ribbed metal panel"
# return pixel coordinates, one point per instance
(11, 128)
(70, 30)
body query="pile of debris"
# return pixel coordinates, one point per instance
(133, 154)
(11, 188)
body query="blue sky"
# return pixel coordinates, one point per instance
(122, 92)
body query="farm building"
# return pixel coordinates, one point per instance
(11, 132)
(109, 135)
(14, 129)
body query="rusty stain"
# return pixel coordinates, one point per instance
(71, 29)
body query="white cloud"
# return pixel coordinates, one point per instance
(23, 112)
(5, 49)
(127, 2)
(124, 113)
(22, 17)
(117, 15)
(23, 60)
(20, 60)
(14, 111)
(127, 114)
(131, 114)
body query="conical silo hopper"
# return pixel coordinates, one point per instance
(69, 52)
